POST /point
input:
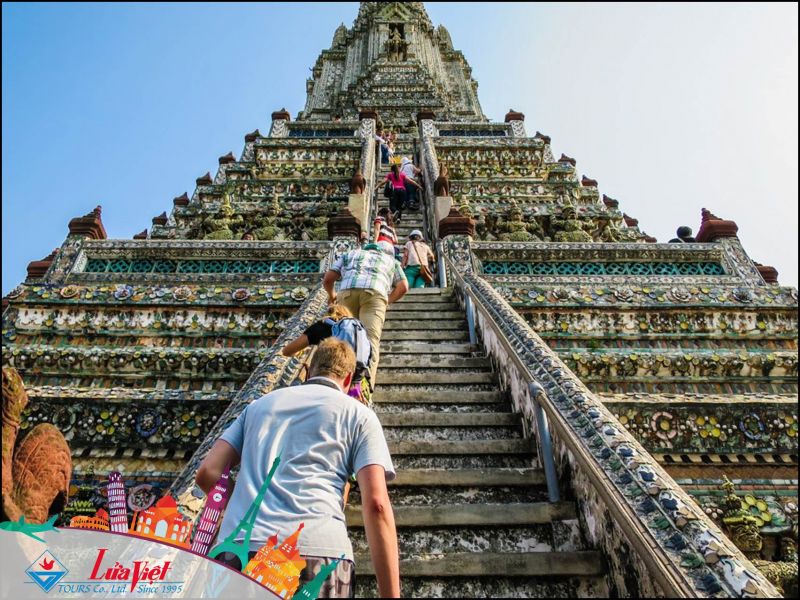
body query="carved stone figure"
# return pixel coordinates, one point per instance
(744, 531)
(396, 46)
(36, 475)
(606, 230)
(515, 229)
(357, 182)
(441, 187)
(221, 225)
(568, 228)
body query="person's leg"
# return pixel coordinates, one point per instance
(350, 300)
(419, 282)
(396, 203)
(339, 584)
(411, 194)
(399, 196)
(372, 312)
(412, 274)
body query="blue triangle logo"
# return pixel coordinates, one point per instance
(46, 579)
(46, 571)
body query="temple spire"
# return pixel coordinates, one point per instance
(393, 61)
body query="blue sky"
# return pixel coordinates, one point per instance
(671, 107)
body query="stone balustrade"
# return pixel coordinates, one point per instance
(658, 542)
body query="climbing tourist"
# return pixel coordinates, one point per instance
(322, 330)
(411, 172)
(321, 436)
(416, 255)
(381, 139)
(398, 199)
(371, 280)
(317, 331)
(390, 150)
(384, 234)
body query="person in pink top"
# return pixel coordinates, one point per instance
(398, 200)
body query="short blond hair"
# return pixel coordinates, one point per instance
(337, 312)
(333, 358)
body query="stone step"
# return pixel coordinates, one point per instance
(448, 434)
(435, 495)
(501, 564)
(494, 586)
(430, 292)
(427, 307)
(405, 324)
(468, 477)
(466, 515)
(463, 461)
(388, 395)
(393, 376)
(424, 334)
(422, 419)
(459, 447)
(419, 315)
(432, 361)
(473, 539)
(426, 348)
(435, 408)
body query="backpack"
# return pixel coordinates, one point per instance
(388, 190)
(352, 331)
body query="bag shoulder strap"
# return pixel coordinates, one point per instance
(414, 245)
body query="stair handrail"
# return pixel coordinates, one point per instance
(429, 165)
(694, 560)
(370, 155)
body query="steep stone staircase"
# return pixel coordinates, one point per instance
(472, 513)
(411, 219)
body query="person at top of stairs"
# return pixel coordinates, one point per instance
(384, 234)
(398, 199)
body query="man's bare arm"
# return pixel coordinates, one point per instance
(220, 455)
(328, 281)
(380, 529)
(398, 292)
(296, 345)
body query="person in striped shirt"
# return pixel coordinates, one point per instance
(370, 280)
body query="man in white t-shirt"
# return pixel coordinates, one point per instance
(322, 436)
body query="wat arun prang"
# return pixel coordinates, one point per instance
(137, 349)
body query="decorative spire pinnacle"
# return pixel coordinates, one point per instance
(713, 228)
(89, 225)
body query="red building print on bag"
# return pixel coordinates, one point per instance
(99, 522)
(278, 568)
(163, 522)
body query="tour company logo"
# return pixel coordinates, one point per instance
(46, 571)
(107, 576)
